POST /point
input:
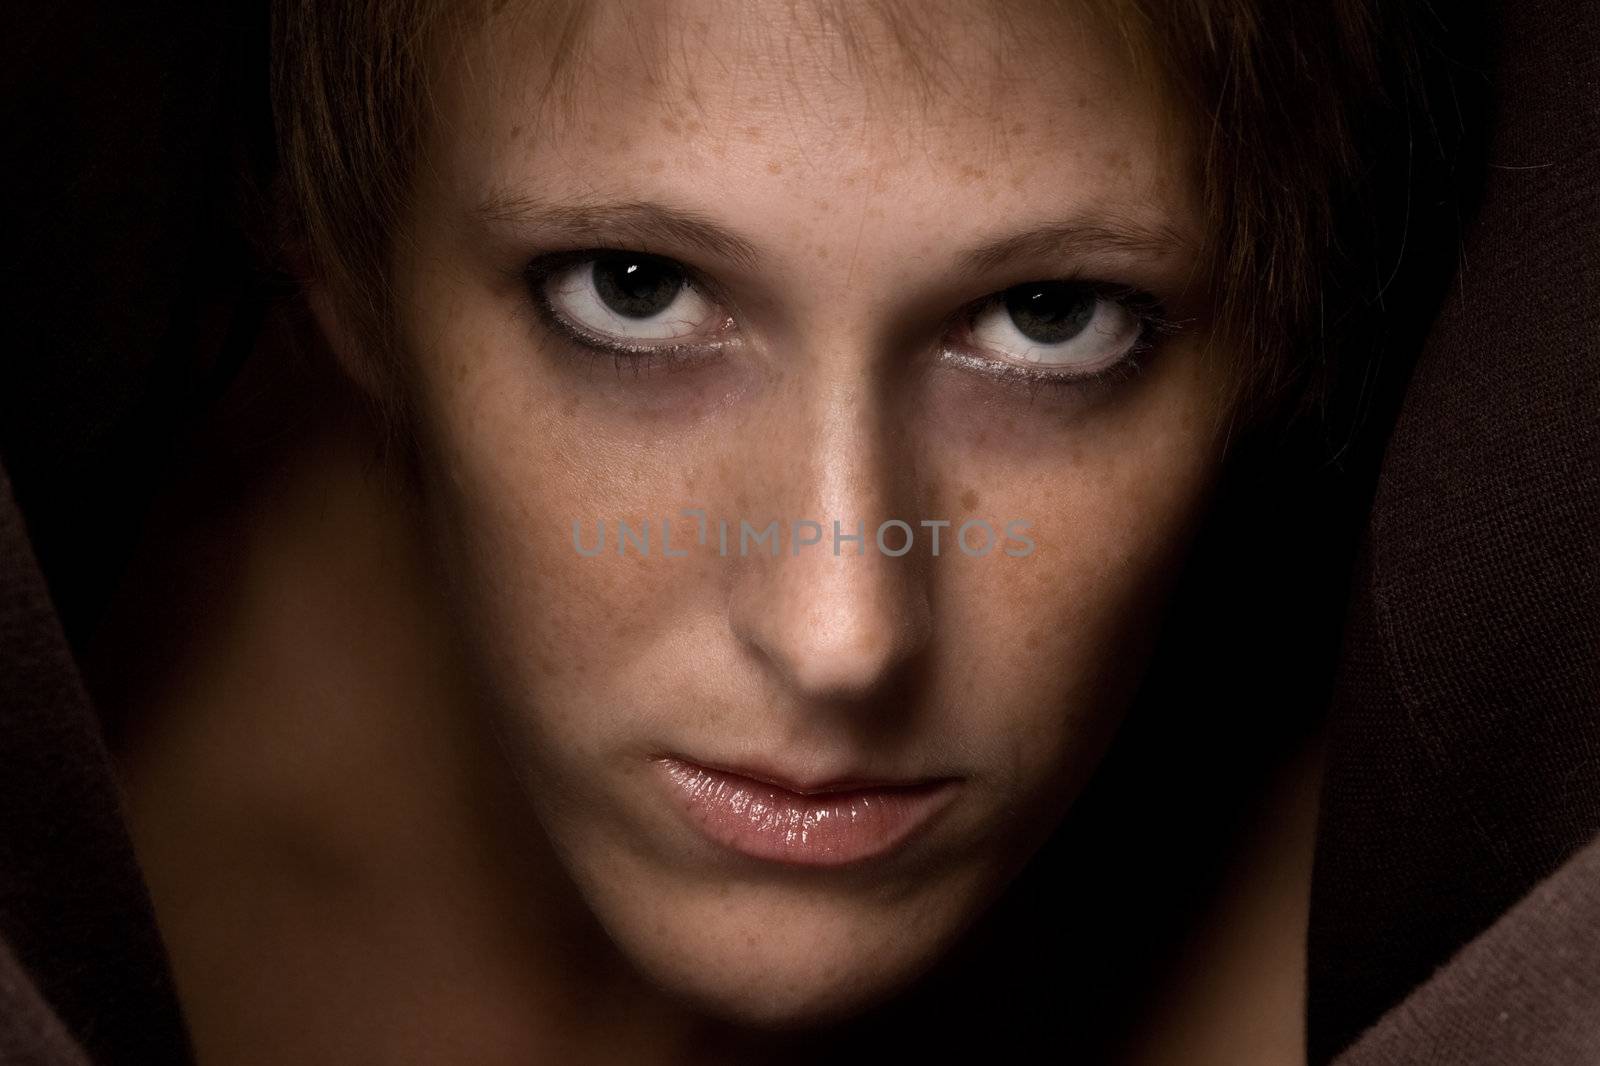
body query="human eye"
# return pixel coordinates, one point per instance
(1061, 332)
(632, 305)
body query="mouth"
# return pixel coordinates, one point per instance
(832, 823)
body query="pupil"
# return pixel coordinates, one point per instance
(636, 287)
(1050, 312)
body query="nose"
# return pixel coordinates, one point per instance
(837, 621)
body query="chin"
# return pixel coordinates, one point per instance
(783, 958)
(764, 991)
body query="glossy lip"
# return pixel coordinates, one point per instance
(822, 824)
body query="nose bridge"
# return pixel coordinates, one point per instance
(831, 614)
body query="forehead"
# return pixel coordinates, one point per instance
(953, 111)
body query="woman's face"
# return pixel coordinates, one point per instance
(735, 257)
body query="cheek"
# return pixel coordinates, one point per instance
(1046, 649)
(522, 471)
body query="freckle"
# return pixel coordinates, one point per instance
(823, 205)
(692, 126)
(969, 499)
(516, 131)
(656, 166)
(1083, 99)
(969, 174)
(774, 167)
(822, 251)
(1019, 128)
(670, 125)
(753, 132)
(1033, 640)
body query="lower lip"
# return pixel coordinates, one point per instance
(823, 829)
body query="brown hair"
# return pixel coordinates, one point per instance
(1284, 96)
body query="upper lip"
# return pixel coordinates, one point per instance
(842, 782)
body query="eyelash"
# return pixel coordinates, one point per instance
(637, 359)
(1146, 308)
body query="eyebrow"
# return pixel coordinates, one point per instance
(1086, 236)
(639, 223)
(643, 223)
